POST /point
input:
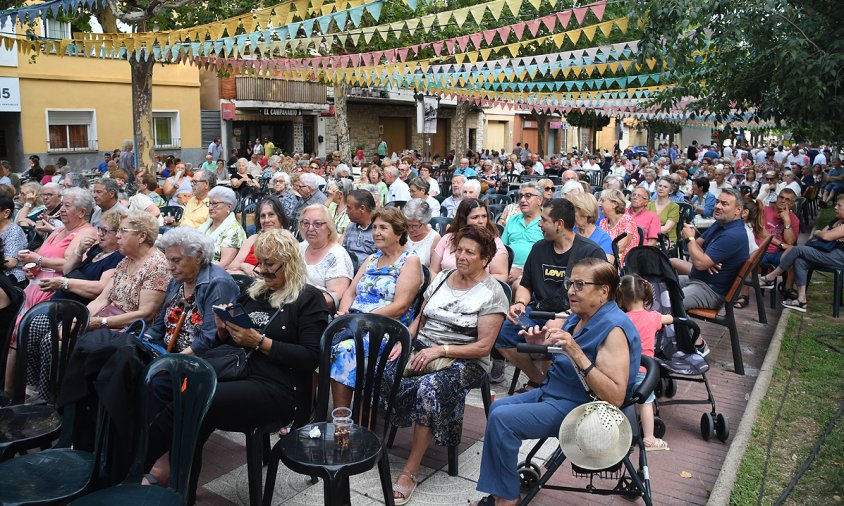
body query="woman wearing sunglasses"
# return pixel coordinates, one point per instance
(289, 317)
(602, 350)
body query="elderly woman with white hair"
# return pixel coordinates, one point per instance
(328, 265)
(309, 193)
(789, 180)
(222, 226)
(421, 238)
(282, 189)
(337, 191)
(185, 323)
(242, 181)
(472, 189)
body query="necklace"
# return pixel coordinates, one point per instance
(102, 254)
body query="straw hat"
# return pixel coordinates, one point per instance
(595, 435)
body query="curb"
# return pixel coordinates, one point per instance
(723, 487)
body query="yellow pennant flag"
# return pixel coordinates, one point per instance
(495, 9)
(485, 53)
(444, 17)
(428, 21)
(383, 33)
(248, 23)
(367, 35)
(514, 48)
(558, 39)
(589, 32)
(478, 16)
(460, 16)
(355, 38)
(412, 25)
(535, 3)
(626, 65)
(574, 35)
(622, 24)
(460, 57)
(601, 67)
(473, 56)
(606, 28)
(424, 64)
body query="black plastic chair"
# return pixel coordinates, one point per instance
(838, 285)
(33, 426)
(495, 211)
(60, 474)
(365, 402)
(246, 211)
(396, 203)
(632, 483)
(440, 224)
(193, 384)
(616, 251)
(503, 200)
(175, 211)
(243, 282)
(7, 327)
(419, 299)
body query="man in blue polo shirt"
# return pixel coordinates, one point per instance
(464, 170)
(715, 258)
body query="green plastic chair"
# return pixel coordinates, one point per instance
(28, 426)
(58, 475)
(193, 383)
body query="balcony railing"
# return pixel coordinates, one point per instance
(280, 90)
(173, 143)
(74, 147)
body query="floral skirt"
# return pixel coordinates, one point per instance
(344, 359)
(434, 400)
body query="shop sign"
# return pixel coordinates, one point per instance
(277, 111)
(10, 94)
(228, 110)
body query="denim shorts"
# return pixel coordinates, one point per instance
(640, 376)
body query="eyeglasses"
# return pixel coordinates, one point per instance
(578, 284)
(266, 275)
(122, 230)
(212, 205)
(105, 231)
(549, 188)
(527, 196)
(194, 183)
(316, 225)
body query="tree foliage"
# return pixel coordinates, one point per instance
(777, 59)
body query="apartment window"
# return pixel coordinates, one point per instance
(54, 29)
(165, 129)
(71, 131)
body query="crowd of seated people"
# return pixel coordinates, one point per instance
(324, 241)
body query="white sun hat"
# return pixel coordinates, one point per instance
(595, 435)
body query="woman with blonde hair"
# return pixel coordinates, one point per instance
(328, 265)
(618, 222)
(289, 317)
(585, 217)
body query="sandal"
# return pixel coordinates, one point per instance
(742, 302)
(404, 491)
(656, 444)
(795, 305)
(790, 294)
(527, 387)
(486, 501)
(767, 284)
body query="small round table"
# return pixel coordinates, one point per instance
(320, 457)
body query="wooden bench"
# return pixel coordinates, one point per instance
(729, 319)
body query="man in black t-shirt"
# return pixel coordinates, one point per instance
(691, 153)
(541, 286)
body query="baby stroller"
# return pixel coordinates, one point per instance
(674, 347)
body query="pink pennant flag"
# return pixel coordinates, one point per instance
(345, 60)
(366, 58)
(449, 44)
(463, 42)
(549, 22)
(580, 13)
(533, 26)
(476, 39)
(324, 62)
(504, 32)
(488, 36)
(564, 17)
(415, 49)
(438, 47)
(598, 9)
(355, 59)
(376, 57)
(402, 53)
(582, 109)
(519, 29)
(390, 56)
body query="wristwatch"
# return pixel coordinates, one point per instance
(787, 227)
(104, 323)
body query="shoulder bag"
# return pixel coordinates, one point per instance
(231, 362)
(434, 365)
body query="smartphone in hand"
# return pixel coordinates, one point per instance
(234, 313)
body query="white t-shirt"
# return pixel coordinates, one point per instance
(820, 158)
(423, 247)
(399, 192)
(792, 158)
(728, 151)
(434, 189)
(539, 168)
(335, 264)
(751, 239)
(435, 206)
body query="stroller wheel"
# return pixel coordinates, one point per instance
(659, 427)
(707, 426)
(671, 389)
(722, 427)
(528, 476)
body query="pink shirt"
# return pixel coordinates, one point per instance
(775, 226)
(648, 323)
(648, 221)
(443, 249)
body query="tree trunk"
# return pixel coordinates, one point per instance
(461, 140)
(107, 21)
(341, 117)
(541, 120)
(142, 113)
(594, 137)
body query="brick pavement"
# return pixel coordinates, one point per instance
(223, 478)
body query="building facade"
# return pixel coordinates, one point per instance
(79, 108)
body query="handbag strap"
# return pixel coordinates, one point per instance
(425, 303)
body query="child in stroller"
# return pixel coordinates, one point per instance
(636, 297)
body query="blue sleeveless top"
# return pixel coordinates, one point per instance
(563, 382)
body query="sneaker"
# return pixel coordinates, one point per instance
(496, 375)
(702, 349)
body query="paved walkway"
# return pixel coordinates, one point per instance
(223, 480)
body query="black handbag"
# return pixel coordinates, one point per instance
(230, 362)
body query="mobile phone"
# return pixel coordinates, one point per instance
(235, 314)
(524, 322)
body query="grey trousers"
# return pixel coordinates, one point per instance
(803, 257)
(697, 294)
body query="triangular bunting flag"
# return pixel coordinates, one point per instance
(580, 14)
(598, 9)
